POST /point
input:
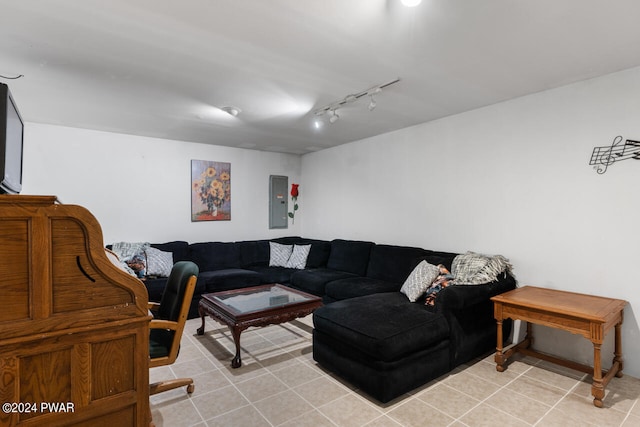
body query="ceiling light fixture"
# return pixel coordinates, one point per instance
(317, 123)
(331, 108)
(233, 111)
(411, 3)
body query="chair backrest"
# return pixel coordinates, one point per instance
(174, 293)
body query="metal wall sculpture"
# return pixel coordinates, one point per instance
(603, 157)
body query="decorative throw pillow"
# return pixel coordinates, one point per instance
(474, 269)
(279, 254)
(159, 263)
(419, 280)
(299, 255)
(444, 279)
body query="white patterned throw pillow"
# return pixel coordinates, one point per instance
(298, 258)
(279, 254)
(159, 263)
(419, 280)
(127, 250)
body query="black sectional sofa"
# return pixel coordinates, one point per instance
(368, 332)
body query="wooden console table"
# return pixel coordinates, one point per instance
(587, 315)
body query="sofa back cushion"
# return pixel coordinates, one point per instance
(393, 263)
(179, 249)
(351, 256)
(254, 253)
(444, 258)
(319, 254)
(215, 255)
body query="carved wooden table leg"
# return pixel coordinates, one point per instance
(237, 361)
(200, 330)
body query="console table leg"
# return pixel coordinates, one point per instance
(499, 357)
(597, 389)
(618, 349)
(528, 338)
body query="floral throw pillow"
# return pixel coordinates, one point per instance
(132, 255)
(444, 279)
(138, 264)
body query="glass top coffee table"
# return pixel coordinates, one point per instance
(255, 306)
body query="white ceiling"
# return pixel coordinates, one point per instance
(161, 67)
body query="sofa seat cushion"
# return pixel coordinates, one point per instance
(230, 278)
(382, 380)
(358, 286)
(274, 274)
(315, 280)
(384, 326)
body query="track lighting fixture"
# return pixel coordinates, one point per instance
(330, 109)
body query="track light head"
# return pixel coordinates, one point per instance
(334, 117)
(372, 93)
(372, 104)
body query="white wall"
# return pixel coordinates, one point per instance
(139, 188)
(513, 179)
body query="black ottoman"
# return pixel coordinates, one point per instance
(382, 343)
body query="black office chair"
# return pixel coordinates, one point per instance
(167, 325)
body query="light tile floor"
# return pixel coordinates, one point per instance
(279, 384)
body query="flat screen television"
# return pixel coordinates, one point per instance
(11, 138)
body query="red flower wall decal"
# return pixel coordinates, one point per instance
(294, 199)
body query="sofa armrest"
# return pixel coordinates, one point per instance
(461, 296)
(469, 312)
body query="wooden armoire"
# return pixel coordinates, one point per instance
(74, 327)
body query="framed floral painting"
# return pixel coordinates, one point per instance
(210, 191)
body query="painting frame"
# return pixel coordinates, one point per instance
(210, 191)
